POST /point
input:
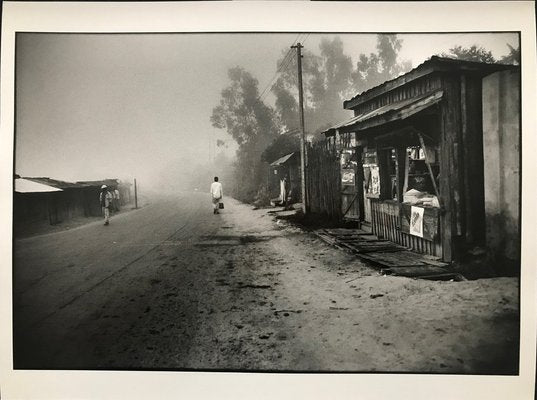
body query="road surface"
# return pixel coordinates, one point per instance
(172, 286)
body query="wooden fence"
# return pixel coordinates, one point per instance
(323, 186)
(390, 222)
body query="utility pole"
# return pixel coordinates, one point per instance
(135, 195)
(298, 48)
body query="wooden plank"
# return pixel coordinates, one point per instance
(472, 141)
(449, 164)
(357, 240)
(422, 270)
(344, 231)
(434, 262)
(444, 277)
(367, 236)
(362, 250)
(378, 249)
(393, 259)
(348, 238)
(373, 245)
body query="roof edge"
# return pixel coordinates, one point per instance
(432, 64)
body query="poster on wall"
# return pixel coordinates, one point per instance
(374, 181)
(416, 221)
(347, 177)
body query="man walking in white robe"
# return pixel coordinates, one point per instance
(216, 194)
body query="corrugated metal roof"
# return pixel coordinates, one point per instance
(282, 160)
(393, 111)
(23, 185)
(108, 182)
(54, 182)
(435, 63)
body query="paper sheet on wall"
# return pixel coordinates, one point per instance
(375, 180)
(347, 177)
(416, 221)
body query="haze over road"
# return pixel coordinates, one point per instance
(173, 286)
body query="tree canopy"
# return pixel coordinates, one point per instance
(480, 54)
(329, 78)
(241, 114)
(381, 66)
(284, 144)
(251, 123)
(513, 57)
(472, 53)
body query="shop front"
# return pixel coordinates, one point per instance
(412, 158)
(390, 184)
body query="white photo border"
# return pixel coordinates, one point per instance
(269, 16)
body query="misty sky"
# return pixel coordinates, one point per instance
(92, 106)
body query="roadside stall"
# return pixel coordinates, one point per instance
(284, 180)
(417, 145)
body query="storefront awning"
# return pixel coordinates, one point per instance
(388, 113)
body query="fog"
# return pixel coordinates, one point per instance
(95, 106)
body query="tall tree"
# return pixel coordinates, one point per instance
(381, 66)
(513, 57)
(472, 53)
(251, 123)
(326, 77)
(329, 79)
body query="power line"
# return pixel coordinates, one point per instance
(283, 67)
(278, 70)
(286, 60)
(272, 83)
(291, 58)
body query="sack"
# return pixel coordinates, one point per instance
(221, 206)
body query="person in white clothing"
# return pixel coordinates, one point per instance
(116, 200)
(105, 198)
(216, 194)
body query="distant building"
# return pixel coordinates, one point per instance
(42, 200)
(33, 203)
(123, 187)
(288, 168)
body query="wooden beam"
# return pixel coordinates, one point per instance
(401, 171)
(422, 142)
(449, 166)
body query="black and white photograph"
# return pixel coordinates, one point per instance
(277, 202)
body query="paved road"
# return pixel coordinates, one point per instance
(172, 286)
(66, 284)
(168, 286)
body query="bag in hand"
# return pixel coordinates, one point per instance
(221, 206)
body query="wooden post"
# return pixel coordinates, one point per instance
(422, 143)
(449, 167)
(472, 183)
(384, 176)
(298, 48)
(401, 172)
(135, 194)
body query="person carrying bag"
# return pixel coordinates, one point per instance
(217, 195)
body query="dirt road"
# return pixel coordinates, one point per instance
(172, 286)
